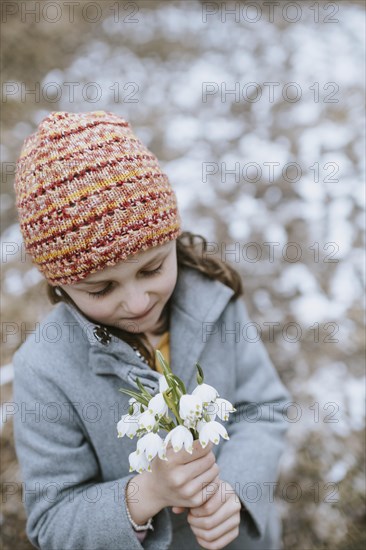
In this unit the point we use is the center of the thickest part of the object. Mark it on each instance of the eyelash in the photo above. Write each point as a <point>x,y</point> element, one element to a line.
<point>107,289</point>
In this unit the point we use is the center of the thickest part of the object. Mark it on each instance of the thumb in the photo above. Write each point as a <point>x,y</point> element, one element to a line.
<point>177,509</point>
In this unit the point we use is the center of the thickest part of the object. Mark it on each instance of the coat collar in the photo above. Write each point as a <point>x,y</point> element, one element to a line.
<point>195,300</point>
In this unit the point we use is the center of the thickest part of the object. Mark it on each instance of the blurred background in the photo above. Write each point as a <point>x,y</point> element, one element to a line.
<point>255,111</point>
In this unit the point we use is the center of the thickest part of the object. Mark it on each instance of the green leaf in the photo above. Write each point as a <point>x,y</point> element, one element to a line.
<point>167,394</point>
<point>174,385</point>
<point>142,389</point>
<point>132,393</point>
<point>200,376</point>
<point>171,402</point>
<point>160,357</point>
<point>181,385</point>
<point>137,396</point>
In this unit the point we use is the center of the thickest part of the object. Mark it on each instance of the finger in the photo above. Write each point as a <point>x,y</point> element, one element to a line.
<point>197,452</point>
<point>199,466</point>
<point>183,456</point>
<point>194,469</point>
<point>219,513</point>
<point>204,485</point>
<point>231,525</point>
<point>178,509</point>
<point>211,501</point>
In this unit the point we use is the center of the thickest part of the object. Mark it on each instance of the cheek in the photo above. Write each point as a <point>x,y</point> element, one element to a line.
<point>170,281</point>
<point>104,308</point>
<point>95,307</point>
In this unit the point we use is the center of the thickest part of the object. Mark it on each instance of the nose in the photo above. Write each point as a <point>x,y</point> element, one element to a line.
<point>135,303</point>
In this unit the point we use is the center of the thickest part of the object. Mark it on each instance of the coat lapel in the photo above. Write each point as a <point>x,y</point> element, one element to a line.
<point>196,300</point>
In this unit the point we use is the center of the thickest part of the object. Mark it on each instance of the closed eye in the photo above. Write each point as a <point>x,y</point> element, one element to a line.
<point>103,292</point>
<point>108,288</point>
<point>153,272</point>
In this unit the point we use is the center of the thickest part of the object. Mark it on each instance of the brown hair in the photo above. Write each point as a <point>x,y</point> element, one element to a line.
<point>190,255</point>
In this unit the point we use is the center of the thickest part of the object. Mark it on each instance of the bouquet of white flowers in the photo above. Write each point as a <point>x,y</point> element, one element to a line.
<point>193,417</point>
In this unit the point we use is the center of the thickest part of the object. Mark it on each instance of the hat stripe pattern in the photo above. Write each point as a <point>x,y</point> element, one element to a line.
<point>64,154</point>
<point>89,194</point>
<point>89,266</point>
<point>79,192</point>
<point>103,238</point>
<point>65,211</point>
<point>73,226</point>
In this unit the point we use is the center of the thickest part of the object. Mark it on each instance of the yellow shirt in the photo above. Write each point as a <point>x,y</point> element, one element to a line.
<point>163,346</point>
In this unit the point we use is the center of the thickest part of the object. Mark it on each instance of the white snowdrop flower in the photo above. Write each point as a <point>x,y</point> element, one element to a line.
<point>190,422</point>
<point>158,406</point>
<point>163,384</point>
<point>161,453</point>
<point>138,462</point>
<point>224,407</point>
<point>211,409</point>
<point>150,445</point>
<point>205,392</point>
<point>190,406</point>
<point>180,436</point>
<point>210,431</point>
<point>128,425</point>
<point>147,421</point>
<point>136,405</point>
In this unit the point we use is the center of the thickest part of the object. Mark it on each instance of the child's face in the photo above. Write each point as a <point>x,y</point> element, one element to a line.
<point>129,289</point>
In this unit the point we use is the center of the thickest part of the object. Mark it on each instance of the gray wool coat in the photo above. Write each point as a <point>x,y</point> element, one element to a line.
<point>75,468</point>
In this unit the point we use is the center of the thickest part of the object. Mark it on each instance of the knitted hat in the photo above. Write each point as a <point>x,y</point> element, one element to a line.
<point>89,194</point>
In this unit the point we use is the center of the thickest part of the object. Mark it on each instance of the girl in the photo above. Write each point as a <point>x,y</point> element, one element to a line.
<point>100,221</point>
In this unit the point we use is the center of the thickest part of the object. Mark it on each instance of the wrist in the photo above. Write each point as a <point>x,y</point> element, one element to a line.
<point>141,499</point>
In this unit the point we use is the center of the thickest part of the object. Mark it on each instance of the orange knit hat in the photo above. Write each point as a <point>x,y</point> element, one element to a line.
<point>89,194</point>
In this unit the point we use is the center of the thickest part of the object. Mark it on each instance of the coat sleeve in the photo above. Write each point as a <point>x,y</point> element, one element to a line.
<point>249,460</point>
<point>67,504</point>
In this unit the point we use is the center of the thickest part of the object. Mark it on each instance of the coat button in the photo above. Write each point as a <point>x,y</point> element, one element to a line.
<point>102,335</point>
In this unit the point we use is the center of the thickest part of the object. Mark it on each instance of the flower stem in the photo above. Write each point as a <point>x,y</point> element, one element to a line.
<point>167,424</point>
<point>194,433</point>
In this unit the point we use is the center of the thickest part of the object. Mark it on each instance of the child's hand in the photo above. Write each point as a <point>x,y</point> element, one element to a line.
<point>216,523</point>
<point>181,480</point>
